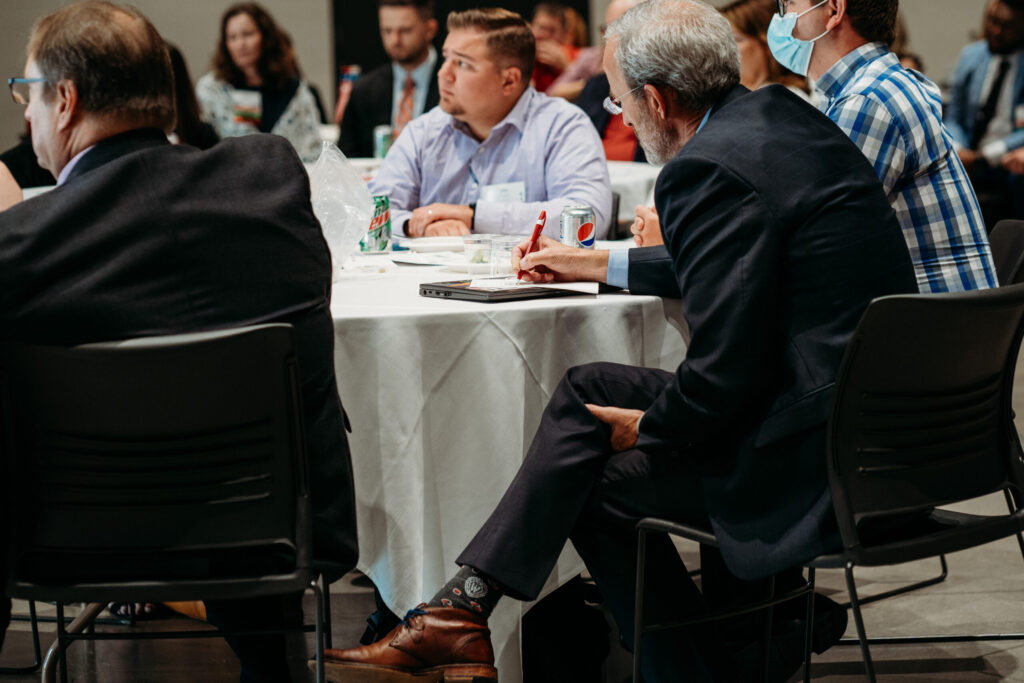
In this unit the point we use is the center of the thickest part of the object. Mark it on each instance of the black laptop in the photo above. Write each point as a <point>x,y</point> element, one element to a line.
<point>462,289</point>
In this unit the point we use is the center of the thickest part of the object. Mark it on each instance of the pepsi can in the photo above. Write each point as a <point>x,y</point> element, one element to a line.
<point>578,227</point>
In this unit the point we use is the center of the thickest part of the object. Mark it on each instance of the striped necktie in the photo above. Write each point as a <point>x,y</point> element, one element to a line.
<point>404,115</point>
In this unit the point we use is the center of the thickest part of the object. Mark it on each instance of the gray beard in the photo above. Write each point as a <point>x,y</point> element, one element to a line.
<point>659,144</point>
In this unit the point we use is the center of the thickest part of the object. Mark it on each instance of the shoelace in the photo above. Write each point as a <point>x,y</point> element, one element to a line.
<point>414,612</point>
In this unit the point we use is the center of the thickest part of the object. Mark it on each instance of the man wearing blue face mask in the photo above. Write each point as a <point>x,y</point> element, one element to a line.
<point>895,116</point>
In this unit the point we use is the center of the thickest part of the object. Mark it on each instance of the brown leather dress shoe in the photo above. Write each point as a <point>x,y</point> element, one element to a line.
<point>431,645</point>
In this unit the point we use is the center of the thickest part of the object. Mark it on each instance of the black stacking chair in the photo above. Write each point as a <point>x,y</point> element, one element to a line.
<point>616,230</point>
<point>1007,241</point>
<point>921,418</point>
<point>161,469</point>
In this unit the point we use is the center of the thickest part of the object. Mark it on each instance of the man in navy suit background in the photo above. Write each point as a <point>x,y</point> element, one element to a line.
<point>985,114</point>
<point>400,90</point>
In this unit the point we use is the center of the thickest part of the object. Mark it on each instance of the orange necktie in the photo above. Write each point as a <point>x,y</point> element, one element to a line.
<point>405,106</point>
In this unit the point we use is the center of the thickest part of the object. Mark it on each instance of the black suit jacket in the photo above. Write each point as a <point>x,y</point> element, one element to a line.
<point>370,105</point>
<point>777,236</point>
<point>148,238</point>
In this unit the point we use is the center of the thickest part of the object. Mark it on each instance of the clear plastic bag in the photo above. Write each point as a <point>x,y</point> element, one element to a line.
<point>341,202</point>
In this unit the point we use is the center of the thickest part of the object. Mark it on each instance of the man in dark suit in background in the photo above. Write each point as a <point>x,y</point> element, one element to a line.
<point>141,237</point>
<point>985,114</point>
<point>397,92</point>
<point>778,235</point>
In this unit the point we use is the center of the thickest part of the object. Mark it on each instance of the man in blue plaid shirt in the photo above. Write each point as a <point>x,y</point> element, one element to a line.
<point>895,116</point>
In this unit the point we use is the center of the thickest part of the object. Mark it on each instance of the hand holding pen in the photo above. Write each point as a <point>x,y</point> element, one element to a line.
<point>537,229</point>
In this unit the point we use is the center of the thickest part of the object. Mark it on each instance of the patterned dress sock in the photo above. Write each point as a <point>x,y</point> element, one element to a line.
<point>470,590</point>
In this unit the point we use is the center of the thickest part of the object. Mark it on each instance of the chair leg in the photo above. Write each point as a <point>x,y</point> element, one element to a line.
<point>859,621</point>
<point>766,643</point>
<point>52,658</point>
<point>62,645</point>
<point>37,662</point>
<point>943,573</point>
<point>809,626</point>
<point>638,609</point>
<point>326,589</point>
<point>1013,508</point>
<point>320,633</point>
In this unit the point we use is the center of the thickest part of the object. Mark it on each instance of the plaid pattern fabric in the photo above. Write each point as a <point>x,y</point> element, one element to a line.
<point>895,116</point>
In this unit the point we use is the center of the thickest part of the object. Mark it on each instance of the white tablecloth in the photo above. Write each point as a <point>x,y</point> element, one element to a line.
<point>444,397</point>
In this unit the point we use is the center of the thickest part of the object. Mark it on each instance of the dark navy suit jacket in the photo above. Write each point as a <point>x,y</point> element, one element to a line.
<point>148,238</point>
<point>777,235</point>
<point>965,96</point>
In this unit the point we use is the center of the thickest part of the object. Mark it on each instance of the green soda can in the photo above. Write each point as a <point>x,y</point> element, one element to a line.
<point>383,136</point>
<point>378,237</point>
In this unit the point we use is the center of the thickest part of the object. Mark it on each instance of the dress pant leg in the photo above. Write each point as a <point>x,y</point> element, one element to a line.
<point>635,485</point>
<point>263,659</point>
<point>520,542</point>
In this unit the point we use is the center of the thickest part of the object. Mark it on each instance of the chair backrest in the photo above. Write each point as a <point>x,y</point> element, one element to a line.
<point>161,459</point>
<point>921,415</point>
<point>1007,241</point>
<point>616,231</point>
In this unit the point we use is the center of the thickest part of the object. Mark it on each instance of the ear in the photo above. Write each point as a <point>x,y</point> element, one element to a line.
<point>431,29</point>
<point>837,12</point>
<point>656,102</point>
<point>67,103</point>
<point>511,80</point>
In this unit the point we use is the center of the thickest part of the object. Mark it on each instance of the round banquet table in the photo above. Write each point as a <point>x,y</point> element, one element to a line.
<point>444,397</point>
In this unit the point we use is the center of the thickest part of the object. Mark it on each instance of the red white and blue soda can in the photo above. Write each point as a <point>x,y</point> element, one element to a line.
<point>577,227</point>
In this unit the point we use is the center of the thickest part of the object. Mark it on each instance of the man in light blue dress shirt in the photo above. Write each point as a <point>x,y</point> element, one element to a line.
<point>495,152</point>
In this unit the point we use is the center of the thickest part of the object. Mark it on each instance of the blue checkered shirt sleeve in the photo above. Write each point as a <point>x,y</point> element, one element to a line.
<point>879,137</point>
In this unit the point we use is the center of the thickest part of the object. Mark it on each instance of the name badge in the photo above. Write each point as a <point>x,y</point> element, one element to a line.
<point>504,192</point>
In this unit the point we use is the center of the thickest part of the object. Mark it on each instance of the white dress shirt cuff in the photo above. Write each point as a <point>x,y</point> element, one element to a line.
<point>993,152</point>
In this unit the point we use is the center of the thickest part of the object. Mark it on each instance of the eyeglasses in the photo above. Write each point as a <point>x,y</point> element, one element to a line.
<point>782,7</point>
<point>19,88</point>
<point>614,106</point>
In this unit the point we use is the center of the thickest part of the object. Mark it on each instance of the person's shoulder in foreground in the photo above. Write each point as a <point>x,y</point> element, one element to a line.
<point>142,237</point>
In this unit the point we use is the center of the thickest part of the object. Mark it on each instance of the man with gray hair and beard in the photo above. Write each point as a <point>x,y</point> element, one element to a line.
<point>770,215</point>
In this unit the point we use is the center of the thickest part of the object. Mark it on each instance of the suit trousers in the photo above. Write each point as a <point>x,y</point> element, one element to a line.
<point>572,486</point>
<point>262,659</point>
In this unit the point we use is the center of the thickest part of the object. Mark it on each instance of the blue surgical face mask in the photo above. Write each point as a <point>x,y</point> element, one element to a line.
<point>790,52</point>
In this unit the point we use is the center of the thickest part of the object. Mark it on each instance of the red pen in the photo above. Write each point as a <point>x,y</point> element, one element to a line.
<point>541,219</point>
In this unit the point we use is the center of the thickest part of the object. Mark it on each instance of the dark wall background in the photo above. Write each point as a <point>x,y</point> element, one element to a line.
<point>357,37</point>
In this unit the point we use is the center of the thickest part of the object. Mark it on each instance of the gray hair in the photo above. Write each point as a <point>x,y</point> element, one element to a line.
<point>683,45</point>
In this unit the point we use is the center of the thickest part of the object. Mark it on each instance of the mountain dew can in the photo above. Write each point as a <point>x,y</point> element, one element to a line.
<point>577,227</point>
<point>378,237</point>
<point>383,136</point>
